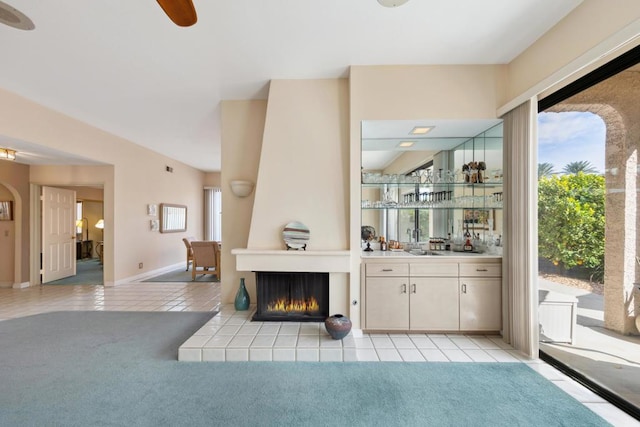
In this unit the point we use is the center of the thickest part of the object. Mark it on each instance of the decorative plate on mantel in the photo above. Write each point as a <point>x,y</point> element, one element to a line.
<point>296,235</point>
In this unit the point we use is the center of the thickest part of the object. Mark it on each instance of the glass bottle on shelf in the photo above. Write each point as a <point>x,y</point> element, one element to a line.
<point>383,244</point>
<point>468,245</point>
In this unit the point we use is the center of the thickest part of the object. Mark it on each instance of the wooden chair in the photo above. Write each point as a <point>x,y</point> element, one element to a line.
<point>187,242</point>
<point>206,258</point>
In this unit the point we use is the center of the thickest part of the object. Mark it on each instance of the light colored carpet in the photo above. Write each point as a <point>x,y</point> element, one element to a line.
<point>120,369</point>
<point>88,272</point>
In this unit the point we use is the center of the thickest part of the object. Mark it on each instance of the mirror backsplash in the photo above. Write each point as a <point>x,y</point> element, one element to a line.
<point>434,191</point>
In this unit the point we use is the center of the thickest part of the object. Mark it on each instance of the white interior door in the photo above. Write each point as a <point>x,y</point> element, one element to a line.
<point>58,233</point>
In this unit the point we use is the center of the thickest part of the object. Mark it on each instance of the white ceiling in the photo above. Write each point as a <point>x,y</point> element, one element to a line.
<point>124,67</point>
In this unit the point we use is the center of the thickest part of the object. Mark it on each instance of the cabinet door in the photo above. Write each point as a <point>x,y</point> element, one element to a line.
<point>433,304</point>
<point>480,304</point>
<point>387,303</point>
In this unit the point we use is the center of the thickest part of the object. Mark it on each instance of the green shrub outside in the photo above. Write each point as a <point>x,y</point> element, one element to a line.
<point>571,220</point>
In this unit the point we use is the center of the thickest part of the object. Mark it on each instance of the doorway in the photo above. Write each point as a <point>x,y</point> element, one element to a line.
<point>7,239</point>
<point>87,217</point>
<point>589,267</point>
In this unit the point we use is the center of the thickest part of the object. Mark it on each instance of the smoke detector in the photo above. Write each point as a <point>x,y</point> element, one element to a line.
<point>12,17</point>
<point>392,3</point>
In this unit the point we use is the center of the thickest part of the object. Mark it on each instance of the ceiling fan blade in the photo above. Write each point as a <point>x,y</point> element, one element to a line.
<point>181,12</point>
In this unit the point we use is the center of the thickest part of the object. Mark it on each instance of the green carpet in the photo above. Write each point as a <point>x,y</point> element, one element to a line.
<point>181,275</point>
<point>88,272</point>
<point>119,369</point>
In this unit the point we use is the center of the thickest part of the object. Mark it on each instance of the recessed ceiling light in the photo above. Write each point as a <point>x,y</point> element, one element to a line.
<point>392,3</point>
<point>405,144</point>
<point>421,130</point>
<point>12,17</point>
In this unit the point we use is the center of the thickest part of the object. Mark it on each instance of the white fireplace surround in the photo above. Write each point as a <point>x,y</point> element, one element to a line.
<point>292,261</point>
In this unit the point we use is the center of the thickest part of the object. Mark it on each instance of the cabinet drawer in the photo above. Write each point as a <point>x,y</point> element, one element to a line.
<point>434,270</point>
<point>378,270</point>
<point>480,270</point>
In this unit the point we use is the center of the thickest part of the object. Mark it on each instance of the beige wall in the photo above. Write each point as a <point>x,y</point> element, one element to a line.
<point>136,178</point>
<point>212,179</point>
<point>88,193</point>
<point>15,178</point>
<point>242,129</point>
<point>594,29</point>
<point>425,92</point>
<point>303,172</point>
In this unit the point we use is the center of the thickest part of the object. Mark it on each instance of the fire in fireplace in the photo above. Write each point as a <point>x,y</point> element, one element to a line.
<point>295,297</point>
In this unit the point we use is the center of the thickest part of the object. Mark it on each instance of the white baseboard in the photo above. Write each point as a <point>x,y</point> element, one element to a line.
<point>146,275</point>
<point>21,285</point>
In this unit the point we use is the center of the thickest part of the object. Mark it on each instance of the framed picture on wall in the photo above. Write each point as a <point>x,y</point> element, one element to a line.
<point>477,219</point>
<point>173,218</point>
<point>6,211</point>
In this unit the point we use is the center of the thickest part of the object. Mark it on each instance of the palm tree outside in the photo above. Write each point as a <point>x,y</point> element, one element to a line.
<point>545,170</point>
<point>580,166</point>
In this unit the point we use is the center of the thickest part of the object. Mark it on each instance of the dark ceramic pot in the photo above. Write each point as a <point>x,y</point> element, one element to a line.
<point>338,326</point>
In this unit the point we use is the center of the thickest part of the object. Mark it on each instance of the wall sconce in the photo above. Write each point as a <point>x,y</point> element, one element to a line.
<point>241,188</point>
<point>7,154</point>
<point>100,224</point>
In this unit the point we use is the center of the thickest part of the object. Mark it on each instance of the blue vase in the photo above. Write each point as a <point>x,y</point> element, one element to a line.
<point>242,297</point>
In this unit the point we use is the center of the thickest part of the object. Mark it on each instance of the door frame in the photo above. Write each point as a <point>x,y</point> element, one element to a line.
<point>35,230</point>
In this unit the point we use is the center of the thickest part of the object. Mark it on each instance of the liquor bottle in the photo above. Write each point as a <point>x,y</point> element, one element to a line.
<point>383,244</point>
<point>468,246</point>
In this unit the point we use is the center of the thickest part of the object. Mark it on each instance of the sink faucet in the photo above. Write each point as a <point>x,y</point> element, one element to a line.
<point>415,234</point>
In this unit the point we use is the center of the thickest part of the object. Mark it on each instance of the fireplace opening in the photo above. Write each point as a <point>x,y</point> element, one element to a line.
<point>294,297</point>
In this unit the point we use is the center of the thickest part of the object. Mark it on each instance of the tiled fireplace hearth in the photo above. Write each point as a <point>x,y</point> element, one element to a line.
<point>231,336</point>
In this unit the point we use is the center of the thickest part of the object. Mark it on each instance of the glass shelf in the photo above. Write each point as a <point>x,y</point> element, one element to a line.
<point>379,208</point>
<point>492,184</point>
<point>405,203</point>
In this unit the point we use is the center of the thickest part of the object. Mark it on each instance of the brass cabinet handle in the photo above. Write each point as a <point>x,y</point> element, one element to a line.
<point>464,288</point>
<point>413,291</point>
<point>404,288</point>
<point>481,269</point>
<point>387,269</point>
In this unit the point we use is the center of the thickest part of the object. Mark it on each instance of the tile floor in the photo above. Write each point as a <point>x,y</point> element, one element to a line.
<point>232,336</point>
<point>262,341</point>
<point>127,297</point>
